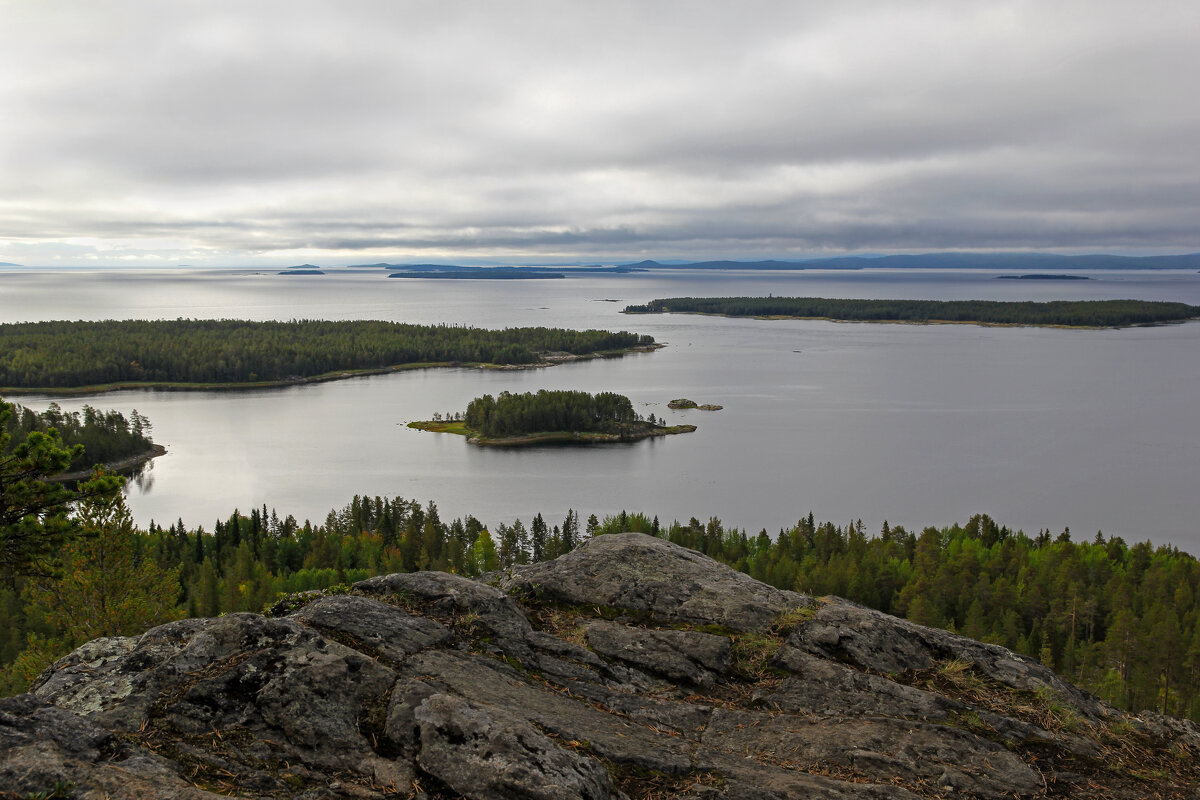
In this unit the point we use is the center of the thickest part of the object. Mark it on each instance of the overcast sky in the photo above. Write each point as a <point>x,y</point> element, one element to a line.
<point>350,132</point>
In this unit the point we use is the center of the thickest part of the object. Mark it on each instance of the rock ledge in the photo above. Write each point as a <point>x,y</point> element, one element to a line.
<point>630,668</point>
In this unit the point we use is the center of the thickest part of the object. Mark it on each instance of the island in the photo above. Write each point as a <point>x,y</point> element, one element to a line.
<point>550,417</point>
<point>683,402</point>
<point>86,357</point>
<point>1055,313</point>
<point>482,274</point>
<point>1037,276</point>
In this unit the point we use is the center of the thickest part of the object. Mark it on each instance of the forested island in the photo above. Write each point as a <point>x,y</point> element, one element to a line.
<point>1038,276</point>
<point>1058,313</point>
<point>191,353</point>
<point>550,417</point>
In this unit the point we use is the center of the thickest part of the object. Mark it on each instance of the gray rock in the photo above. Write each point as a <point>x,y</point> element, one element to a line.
<point>913,751</point>
<point>372,627</point>
<point>43,747</point>
<point>491,612</point>
<point>823,687</point>
<point>871,640</point>
<point>487,754</point>
<point>654,576</point>
<point>568,717</point>
<point>679,655</point>
<point>432,680</point>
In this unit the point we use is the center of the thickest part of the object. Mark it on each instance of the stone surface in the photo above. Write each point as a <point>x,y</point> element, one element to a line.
<point>630,668</point>
<point>666,581</point>
<point>487,753</point>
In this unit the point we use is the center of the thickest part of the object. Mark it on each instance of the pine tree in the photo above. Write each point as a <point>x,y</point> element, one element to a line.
<point>538,539</point>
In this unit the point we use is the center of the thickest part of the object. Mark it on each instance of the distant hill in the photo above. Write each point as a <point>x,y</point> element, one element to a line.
<point>7,264</point>
<point>412,267</point>
<point>481,274</point>
<point>1014,261</point>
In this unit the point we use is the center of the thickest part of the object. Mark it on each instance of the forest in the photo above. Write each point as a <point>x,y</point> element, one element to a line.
<point>67,355</point>
<point>1121,620</point>
<point>517,414</point>
<point>105,436</point>
<point>1072,313</point>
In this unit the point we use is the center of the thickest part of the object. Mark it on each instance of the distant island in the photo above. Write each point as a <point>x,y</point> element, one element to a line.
<point>1057,313</point>
<point>1043,277</point>
<point>483,274</point>
<point>78,357</point>
<point>8,264</point>
<point>684,403</point>
<point>303,271</point>
<point>550,417</point>
<point>1007,261</point>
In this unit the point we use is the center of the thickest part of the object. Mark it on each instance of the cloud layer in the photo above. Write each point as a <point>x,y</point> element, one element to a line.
<point>223,132</point>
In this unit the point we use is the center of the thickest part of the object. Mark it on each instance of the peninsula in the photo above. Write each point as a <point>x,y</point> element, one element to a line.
<point>550,417</point>
<point>1057,313</point>
<point>78,357</point>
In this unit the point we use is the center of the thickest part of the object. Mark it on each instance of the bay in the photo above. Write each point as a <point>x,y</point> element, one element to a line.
<point>920,425</point>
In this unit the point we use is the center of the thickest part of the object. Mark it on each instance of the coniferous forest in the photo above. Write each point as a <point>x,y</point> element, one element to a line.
<point>1075,313</point>
<point>105,436</point>
<point>1120,619</point>
<point>66,355</point>
<point>515,414</point>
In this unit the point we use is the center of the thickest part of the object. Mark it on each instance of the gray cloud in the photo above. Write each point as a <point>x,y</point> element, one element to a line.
<point>225,132</point>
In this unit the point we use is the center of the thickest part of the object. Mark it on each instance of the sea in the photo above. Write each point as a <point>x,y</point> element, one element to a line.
<point>919,425</point>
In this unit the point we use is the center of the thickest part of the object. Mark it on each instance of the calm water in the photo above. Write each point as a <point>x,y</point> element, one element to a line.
<point>919,425</point>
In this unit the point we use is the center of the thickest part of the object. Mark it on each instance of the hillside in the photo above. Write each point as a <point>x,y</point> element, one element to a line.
<point>628,668</point>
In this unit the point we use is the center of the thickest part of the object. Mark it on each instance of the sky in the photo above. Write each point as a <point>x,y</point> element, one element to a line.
<point>351,131</point>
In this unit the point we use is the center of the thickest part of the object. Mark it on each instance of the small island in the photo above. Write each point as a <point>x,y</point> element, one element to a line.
<point>683,402</point>
<point>550,417</point>
<point>1055,313</point>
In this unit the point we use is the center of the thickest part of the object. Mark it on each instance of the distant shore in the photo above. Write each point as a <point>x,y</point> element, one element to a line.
<point>1085,314</point>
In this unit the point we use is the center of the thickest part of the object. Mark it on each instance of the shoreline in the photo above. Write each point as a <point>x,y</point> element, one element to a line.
<point>547,360</point>
<point>547,437</point>
<point>119,466</point>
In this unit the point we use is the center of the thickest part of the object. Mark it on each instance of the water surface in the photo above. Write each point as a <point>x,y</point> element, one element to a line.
<point>919,425</point>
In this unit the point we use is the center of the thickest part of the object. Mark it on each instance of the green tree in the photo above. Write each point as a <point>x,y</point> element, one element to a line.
<point>483,554</point>
<point>109,587</point>
<point>34,519</point>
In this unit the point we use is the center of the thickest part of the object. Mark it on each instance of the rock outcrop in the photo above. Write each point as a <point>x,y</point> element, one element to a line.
<point>630,668</point>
